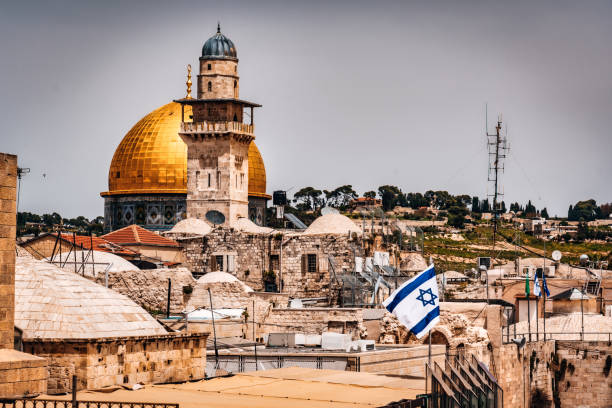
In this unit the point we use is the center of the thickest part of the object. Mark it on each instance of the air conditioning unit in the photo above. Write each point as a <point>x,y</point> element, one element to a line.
<point>484,261</point>
<point>281,340</point>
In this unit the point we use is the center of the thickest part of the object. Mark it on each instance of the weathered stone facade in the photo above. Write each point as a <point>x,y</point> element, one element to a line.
<point>521,371</point>
<point>20,374</point>
<point>8,197</point>
<point>149,287</point>
<point>105,362</point>
<point>315,321</point>
<point>584,380</point>
<point>286,255</point>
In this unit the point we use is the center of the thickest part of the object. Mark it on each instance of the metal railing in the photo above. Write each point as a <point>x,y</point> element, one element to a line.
<point>419,402</point>
<point>50,403</point>
<point>562,336</point>
<point>216,127</point>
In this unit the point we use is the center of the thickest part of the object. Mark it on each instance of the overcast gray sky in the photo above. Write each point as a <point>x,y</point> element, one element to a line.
<point>362,93</point>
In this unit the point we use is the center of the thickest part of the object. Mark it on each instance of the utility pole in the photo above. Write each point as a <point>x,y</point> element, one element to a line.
<point>497,153</point>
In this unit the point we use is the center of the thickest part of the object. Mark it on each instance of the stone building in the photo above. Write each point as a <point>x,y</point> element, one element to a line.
<point>217,138</point>
<point>148,181</point>
<point>298,264</point>
<point>21,374</point>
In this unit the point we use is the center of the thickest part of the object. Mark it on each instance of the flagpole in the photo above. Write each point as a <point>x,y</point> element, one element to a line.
<point>527,293</point>
<point>537,317</point>
<point>544,286</point>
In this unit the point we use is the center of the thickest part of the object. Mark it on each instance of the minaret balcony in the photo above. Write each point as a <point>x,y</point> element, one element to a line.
<point>196,128</point>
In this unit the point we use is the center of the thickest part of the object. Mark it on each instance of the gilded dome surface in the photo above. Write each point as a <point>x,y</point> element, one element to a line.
<point>152,158</point>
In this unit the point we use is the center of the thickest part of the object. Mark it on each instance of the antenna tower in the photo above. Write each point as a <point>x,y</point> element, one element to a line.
<point>498,150</point>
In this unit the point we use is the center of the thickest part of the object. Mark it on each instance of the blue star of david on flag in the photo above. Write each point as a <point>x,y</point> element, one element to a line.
<point>416,303</point>
<point>431,300</point>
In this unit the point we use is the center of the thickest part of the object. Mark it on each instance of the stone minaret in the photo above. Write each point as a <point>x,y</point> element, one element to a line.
<point>217,139</point>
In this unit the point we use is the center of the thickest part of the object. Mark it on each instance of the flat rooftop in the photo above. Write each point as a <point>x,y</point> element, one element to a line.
<point>285,387</point>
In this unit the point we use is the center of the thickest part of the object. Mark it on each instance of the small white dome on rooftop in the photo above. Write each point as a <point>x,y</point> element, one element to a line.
<point>332,224</point>
<point>191,226</point>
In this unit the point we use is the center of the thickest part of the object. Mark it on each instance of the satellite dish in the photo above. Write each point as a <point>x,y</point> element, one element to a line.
<point>556,255</point>
<point>584,259</point>
<point>329,210</point>
<point>215,217</point>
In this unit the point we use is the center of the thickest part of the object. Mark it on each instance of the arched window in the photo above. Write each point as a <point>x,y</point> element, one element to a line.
<point>209,86</point>
<point>208,180</point>
<point>197,179</point>
<point>235,89</point>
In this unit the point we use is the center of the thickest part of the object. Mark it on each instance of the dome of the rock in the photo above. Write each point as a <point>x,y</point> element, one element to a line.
<point>147,179</point>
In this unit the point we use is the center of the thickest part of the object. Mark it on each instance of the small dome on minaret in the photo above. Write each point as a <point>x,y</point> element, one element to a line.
<point>219,47</point>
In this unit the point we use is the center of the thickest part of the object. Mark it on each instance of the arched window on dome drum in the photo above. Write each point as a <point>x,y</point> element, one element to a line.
<point>209,86</point>
<point>235,89</point>
<point>209,67</point>
<point>208,180</point>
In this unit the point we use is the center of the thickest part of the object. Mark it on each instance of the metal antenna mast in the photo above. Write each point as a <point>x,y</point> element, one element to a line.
<point>498,150</point>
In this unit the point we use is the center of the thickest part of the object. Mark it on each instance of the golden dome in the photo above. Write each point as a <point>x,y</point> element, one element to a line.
<point>152,158</point>
<point>257,173</point>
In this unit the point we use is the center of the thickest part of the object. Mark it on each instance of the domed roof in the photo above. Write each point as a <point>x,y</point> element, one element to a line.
<point>219,47</point>
<point>332,224</point>
<point>257,173</point>
<point>152,158</point>
<point>53,303</point>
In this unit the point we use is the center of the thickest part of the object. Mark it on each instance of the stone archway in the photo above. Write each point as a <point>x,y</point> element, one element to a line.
<point>438,336</point>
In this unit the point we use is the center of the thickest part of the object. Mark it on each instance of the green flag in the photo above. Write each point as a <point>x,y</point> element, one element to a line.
<point>527,285</point>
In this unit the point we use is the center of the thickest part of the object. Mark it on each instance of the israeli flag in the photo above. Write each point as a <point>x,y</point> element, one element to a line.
<point>536,286</point>
<point>416,303</point>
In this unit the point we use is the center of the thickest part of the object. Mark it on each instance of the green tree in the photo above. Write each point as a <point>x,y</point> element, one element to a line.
<point>475,205</point>
<point>308,198</point>
<point>389,195</point>
<point>456,216</point>
<point>51,219</point>
<point>544,213</point>
<point>530,210</point>
<point>370,194</point>
<point>341,196</point>
<point>585,211</point>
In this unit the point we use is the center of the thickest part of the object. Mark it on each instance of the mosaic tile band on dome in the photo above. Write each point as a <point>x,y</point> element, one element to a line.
<point>147,177</point>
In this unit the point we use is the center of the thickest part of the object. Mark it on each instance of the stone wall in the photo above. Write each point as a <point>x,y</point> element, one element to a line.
<point>582,379</point>
<point>520,372</point>
<point>21,374</point>
<point>407,360</point>
<point>253,252</point>
<point>8,197</point>
<point>105,362</point>
<point>149,287</point>
<point>315,321</point>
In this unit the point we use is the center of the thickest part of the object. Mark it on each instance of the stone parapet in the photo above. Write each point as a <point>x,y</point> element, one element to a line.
<point>111,361</point>
<point>21,374</point>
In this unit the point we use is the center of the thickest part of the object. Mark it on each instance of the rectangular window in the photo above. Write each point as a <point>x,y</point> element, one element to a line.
<point>209,67</point>
<point>208,180</point>
<point>274,263</point>
<point>312,262</point>
<point>219,260</point>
